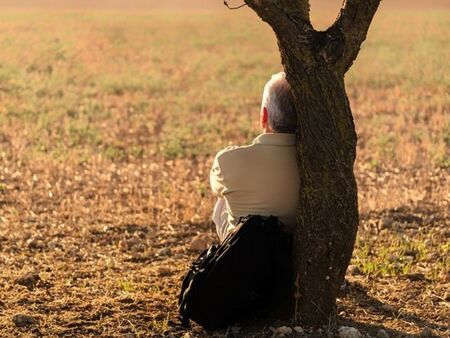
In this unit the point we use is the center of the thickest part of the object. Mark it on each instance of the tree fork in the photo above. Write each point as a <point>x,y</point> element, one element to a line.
<point>315,64</point>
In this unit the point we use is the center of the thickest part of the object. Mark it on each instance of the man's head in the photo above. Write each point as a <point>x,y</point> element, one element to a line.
<point>278,113</point>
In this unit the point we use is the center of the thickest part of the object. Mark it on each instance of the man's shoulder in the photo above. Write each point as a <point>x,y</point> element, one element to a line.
<point>232,153</point>
<point>230,162</point>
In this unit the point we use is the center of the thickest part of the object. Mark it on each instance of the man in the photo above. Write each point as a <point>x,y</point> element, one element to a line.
<point>261,178</point>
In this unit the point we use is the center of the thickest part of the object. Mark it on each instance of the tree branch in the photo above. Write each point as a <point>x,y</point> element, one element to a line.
<point>289,19</point>
<point>233,7</point>
<point>294,11</point>
<point>353,24</point>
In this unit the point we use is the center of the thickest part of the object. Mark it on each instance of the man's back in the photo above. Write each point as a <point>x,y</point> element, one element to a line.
<point>259,179</point>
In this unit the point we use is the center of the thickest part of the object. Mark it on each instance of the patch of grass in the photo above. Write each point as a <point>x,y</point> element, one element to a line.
<point>137,151</point>
<point>79,136</point>
<point>401,256</point>
<point>126,286</point>
<point>442,161</point>
<point>115,153</point>
<point>386,143</point>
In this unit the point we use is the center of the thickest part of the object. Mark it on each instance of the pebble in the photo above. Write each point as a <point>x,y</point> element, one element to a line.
<point>414,277</point>
<point>21,320</point>
<point>387,223</point>
<point>299,329</point>
<point>388,308</point>
<point>164,271</point>
<point>382,334</point>
<point>427,333</point>
<point>348,332</point>
<point>35,244</point>
<point>392,258</point>
<point>135,244</point>
<point>164,252</point>
<point>284,330</point>
<point>198,243</point>
<point>29,280</point>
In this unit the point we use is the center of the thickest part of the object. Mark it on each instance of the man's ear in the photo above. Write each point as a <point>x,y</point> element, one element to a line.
<point>264,117</point>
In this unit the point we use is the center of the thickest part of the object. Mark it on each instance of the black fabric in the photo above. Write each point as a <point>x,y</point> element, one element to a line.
<point>242,278</point>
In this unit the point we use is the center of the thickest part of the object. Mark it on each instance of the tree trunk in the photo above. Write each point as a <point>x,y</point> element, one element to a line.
<point>315,64</point>
<point>328,209</point>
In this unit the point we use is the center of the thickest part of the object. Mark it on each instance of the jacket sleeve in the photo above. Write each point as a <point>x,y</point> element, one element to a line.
<point>216,178</point>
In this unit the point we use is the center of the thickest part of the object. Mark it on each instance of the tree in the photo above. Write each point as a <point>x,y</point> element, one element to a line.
<point>315,63</point>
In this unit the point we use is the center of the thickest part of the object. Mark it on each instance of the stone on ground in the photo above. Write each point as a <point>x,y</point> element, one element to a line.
<point>29,280</point>
<point>198,243</point>
<point>284,330</point>
<point>164,271</point>
<point>348,332</point>
<point>299,329</point>
<point>427,333</point>
<point>382,334</point>
<point>22,320</point>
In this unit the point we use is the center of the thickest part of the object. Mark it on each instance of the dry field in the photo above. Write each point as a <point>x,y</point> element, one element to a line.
<point>108,126</point>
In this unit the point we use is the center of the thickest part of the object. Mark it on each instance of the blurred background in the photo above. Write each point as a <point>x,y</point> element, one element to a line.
<point>111,113</point>
<point>193,4</point>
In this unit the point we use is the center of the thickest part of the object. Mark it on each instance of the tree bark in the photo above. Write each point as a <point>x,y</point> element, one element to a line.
<point>315,64</point>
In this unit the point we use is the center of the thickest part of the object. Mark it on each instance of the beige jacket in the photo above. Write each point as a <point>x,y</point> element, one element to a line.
<point>259,179</point>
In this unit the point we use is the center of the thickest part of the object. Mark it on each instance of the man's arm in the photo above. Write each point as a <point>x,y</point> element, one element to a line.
<point>216,178</point>
<point>218,187</point>
<point>220,218</point>
<point>220,182</point>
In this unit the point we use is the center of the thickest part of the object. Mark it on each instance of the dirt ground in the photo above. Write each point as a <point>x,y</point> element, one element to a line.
<point>105,270</point>
<point>108,127</point>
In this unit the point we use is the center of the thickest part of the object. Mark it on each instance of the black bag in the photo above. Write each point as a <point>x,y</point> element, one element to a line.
<point>242,278</point>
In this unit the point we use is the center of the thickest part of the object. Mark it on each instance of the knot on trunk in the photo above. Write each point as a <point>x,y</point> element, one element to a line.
<point>328,45</point>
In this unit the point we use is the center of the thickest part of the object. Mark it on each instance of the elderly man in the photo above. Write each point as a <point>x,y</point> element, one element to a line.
<point>261,178</point>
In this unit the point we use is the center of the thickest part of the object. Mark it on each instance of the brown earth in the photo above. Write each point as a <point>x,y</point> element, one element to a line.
<point>108,127</point>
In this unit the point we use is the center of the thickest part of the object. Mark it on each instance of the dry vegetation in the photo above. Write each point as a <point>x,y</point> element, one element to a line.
<point>108,125</point>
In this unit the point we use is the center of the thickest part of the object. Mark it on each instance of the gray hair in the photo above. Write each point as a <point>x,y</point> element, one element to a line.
<point>279,102</point>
